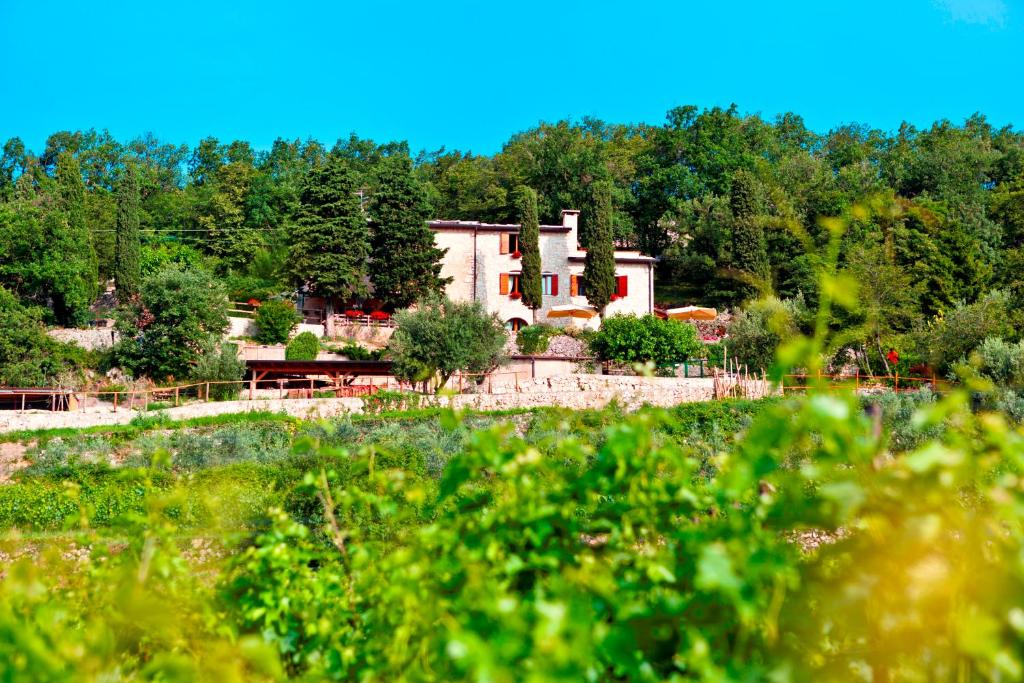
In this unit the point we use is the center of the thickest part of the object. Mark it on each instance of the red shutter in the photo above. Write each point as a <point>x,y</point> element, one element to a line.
<point>621,285</point>
<point>503,283</point>
<point>574,285</point>
<point>554,285</point>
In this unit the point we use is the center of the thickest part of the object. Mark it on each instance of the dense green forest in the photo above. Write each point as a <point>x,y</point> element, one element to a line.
<point>731,203</point>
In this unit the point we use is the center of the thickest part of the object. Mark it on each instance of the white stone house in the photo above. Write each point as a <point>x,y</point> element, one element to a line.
<point>483,262</point>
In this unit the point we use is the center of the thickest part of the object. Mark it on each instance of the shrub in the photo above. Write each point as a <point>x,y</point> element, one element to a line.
<point>953,336</point>
<point>28,356</point>
<point>388,401</point>
<point>166,331</point>
<point>1000,361</point>
<point>220,365</point>
<point>756,332</point>
<point>305,346</point>
<point>632,339</point>
<point>354,351</point>
<point>275,320</point>
<point>534,339</point>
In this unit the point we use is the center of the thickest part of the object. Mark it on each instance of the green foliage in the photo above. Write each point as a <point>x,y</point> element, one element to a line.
<point>390,401</point>
<point>73,270</point>
<point>354,351</point>
<point>599,267</point>
<point>534,339</point>
<point>749,246</point>
<point>28,356</point>
<point>757,331</point>
<point>329,242</point>
<point>1000,361</point>
<point>404,263</point>
<point>442,337</point>
<point>304,346</point>
<point>166,330</point>
<point>275,320</point>
<point>220,364</point>
<point>127,266</point>
<point>953,336</point>
<point>156,257</point>
<point>529,245</point>
<point>633,339</point>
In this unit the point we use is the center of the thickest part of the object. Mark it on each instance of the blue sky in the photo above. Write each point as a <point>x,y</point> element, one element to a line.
<point>469,74</point>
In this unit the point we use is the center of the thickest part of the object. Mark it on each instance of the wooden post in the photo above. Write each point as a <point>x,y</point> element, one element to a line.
<point>207,391</point>
<point>856,385</point>
<point>252,388</point>
<point>176,396</point>
<point>115,401</point>
<point>896,387</point>
<point>23,403</point>
<point>280,387</point>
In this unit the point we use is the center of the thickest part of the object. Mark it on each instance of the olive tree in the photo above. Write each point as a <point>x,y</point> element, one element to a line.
<point>441,337</point>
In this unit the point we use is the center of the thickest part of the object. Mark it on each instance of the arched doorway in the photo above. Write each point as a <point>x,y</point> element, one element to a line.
<point>515,324</point>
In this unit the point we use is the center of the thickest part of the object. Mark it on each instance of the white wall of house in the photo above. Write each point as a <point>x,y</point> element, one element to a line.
<point>481,264</point>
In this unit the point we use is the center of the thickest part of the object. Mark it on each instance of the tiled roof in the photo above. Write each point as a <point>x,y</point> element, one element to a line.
<point>490,227</point>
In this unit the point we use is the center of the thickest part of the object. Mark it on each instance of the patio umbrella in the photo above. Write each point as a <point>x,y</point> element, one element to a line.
<point>691,313</point>
<point>571,311</point>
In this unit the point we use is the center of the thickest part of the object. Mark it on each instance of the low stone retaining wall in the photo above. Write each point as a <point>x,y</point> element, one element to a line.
<point>91,339</point>
<point>578,392</point>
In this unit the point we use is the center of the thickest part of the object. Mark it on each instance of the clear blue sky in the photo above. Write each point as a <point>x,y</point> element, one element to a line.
<point>469,74</point>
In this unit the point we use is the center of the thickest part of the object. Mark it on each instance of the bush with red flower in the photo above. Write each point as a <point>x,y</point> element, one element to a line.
<point>353,313</point>
<point>516,295</point>
<point>379,315</point>
<point>517,254</point>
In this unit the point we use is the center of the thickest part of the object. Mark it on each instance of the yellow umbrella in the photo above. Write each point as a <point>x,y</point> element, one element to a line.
<point>691,313</point>
<point>571,311</point>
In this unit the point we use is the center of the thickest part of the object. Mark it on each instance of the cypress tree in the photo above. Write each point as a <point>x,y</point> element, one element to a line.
<point>529,245</point>
<point>749,246</point>
<point>405,265</point>
<point>599,267</point>
<point>72,256</point>
<point>330,241</point>
<point>127,274</point>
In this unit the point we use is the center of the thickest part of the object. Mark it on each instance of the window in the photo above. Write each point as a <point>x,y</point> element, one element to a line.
<point>621,286</point>
<point>549,284</point>
<point>576,286</point>
<point>515,324</point>
<point>508,283</point>
<point>509,242</point>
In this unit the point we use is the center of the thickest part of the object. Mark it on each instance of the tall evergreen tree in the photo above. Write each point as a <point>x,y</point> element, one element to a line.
<point>329,241</point>
<point>127,274</point>
<point>599,266</point>
<point>749,246</point>
<point>72,257</point>
<point>529,245</point>
<point>405,265</point>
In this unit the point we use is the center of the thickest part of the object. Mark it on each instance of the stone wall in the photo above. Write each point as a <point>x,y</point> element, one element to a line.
<point>91,339</point>
<point>577,392</point>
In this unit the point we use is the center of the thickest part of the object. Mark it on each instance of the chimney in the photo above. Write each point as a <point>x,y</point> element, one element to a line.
<point>571,220</point>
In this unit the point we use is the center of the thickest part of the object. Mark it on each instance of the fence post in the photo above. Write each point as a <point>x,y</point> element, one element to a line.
<point>856,385</point>
<point>23,403</point>
<point>252,387</point>
<point>207,392</point>
<point>176,396</point>
<point>896,387</point>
